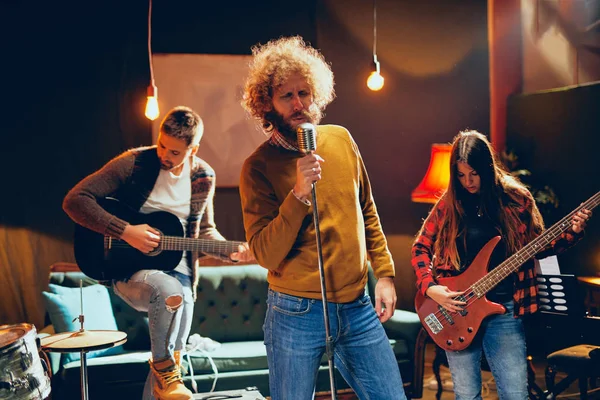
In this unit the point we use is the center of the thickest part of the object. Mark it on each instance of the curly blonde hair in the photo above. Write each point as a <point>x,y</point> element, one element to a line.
<point>273,63</point>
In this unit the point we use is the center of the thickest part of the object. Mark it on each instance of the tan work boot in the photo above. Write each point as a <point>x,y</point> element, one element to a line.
<point>179,361</point>
<point>168,383</point>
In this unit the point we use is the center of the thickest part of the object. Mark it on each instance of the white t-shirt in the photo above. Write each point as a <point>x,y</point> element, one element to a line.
<point>172,193</point>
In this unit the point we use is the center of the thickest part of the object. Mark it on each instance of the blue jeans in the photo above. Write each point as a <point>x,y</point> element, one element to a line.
<point>147,291</point>
<point>502,338</point>
<point>295,341</point>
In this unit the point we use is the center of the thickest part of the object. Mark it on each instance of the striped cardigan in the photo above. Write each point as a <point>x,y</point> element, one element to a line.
<point>130,178</point>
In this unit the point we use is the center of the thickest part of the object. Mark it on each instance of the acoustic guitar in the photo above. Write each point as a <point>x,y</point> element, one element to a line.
<point>103,257</point>
<point>456,330</point>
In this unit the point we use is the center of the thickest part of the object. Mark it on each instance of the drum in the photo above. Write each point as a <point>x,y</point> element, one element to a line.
<point>22,375</point>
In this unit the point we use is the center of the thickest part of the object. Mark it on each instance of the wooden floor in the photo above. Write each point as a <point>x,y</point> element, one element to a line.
<point>488,385</point>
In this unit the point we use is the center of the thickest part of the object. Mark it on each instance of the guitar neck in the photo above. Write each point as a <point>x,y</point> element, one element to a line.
<point>199,245</point>
<point>513,263</point>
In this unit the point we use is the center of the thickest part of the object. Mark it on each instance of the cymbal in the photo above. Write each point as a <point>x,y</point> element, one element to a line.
<point>69,342</point>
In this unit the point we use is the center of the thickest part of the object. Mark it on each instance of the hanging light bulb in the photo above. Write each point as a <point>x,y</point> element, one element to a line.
<point>375,80</point>
<point>152,111</point>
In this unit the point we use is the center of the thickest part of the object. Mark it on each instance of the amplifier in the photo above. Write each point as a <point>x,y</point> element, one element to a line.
<point>249,393</point>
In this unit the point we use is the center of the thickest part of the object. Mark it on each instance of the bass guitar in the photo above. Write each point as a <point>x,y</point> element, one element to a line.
<point>455,330</point>
<point>103,257</point>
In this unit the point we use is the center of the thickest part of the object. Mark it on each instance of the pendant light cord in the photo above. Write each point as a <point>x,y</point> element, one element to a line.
<point>150,41</point>
<point>375,29</point>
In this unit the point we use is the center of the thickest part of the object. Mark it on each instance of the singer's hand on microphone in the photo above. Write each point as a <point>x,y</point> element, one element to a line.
<point>308,171</point>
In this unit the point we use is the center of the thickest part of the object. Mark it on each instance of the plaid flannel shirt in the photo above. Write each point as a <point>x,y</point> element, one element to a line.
<point>525,290</point>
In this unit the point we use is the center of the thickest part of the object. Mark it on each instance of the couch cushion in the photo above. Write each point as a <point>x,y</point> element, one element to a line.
<point>71,279</point>
<point>134,323</point>
<point>231,357</point>
<point>231,303</point>
<point>64,306</point>
<point>108,370</point>
<point>251,355</point>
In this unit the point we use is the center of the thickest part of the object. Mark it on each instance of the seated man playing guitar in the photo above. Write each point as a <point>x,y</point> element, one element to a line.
<point>452,252</point>
<point>157,180</point>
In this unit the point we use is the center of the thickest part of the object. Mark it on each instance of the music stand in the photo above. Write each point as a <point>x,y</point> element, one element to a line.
<point>561,310</point>
<point>556,294</point>
<point>562,316</point>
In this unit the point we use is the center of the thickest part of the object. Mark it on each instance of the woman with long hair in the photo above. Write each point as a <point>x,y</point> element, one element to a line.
<point>483,201</point>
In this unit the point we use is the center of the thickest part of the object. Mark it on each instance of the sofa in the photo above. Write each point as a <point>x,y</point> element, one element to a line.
<point>230,310</point>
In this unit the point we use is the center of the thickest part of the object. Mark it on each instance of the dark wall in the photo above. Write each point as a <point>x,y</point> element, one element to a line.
<point>76,78</point>
<point>77,74</point>
<point>555,135</point>
<point>434,58</point>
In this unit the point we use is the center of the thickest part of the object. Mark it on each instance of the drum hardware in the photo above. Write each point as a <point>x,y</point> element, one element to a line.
<point>83,341</point>
<point>26,360</point>
<point>16,384</point>
<point>22,374</point>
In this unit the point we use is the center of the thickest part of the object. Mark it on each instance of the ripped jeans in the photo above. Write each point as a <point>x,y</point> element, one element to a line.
<point>169,317</point>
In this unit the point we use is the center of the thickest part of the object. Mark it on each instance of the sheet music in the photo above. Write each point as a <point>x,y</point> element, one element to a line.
<point>547,266</point>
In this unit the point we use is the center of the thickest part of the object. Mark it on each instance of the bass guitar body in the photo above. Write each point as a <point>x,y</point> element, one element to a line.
<point>453,330</point>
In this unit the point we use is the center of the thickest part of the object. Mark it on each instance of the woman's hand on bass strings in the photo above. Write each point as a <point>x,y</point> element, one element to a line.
<point>446,297</point>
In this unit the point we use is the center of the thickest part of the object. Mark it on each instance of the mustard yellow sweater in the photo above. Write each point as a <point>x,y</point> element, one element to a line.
<point>280,229</point>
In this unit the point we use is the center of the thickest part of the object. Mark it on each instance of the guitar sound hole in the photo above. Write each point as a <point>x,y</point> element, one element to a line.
<point>158,248</point>
<point>154,252</point>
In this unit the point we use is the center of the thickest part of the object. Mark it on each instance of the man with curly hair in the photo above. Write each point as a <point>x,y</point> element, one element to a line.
<point>290,83</point>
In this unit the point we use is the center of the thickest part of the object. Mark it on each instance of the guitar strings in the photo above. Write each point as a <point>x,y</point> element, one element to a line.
<point>553,232</point>
<point>177,243</point>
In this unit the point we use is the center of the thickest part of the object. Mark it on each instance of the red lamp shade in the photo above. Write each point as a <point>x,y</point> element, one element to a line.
<point>437,177</point>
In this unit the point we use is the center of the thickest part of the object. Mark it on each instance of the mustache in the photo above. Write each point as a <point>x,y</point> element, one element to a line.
<point>277,120</point>
<point>301,113</point>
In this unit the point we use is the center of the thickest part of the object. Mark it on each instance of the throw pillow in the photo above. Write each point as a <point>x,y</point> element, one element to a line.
<point>64,306</point>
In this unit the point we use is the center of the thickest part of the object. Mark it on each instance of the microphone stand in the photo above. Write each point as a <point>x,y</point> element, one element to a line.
<point>329,339</point>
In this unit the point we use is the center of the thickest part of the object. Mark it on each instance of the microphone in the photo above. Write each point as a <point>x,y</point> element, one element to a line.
<point>307,140</point>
